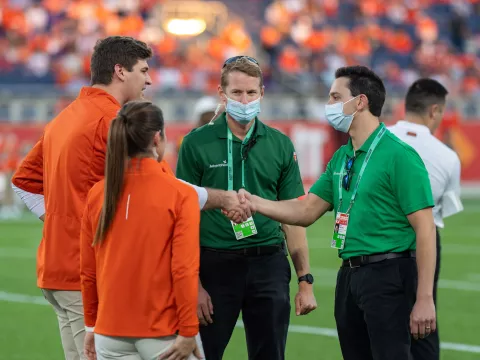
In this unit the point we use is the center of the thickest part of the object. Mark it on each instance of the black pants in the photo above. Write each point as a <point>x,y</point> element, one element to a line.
<point>429,348</point>
<point>256,285</point>
<point>372,309</point>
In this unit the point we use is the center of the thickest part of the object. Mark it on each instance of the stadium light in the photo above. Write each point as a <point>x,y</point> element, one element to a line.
<point>186,27</point>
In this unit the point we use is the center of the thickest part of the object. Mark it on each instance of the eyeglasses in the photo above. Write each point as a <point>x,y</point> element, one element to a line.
<point>347,178</point>
<point>235,58</point>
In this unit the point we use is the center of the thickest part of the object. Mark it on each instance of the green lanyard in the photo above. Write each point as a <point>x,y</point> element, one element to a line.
<point>230,155</point>
<point>360,174</point>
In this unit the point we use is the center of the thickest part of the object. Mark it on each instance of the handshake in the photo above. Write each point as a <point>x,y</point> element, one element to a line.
<point>238,207</point>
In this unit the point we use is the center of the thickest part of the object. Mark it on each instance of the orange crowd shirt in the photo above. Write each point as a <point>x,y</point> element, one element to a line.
<point>142,280</point>
<point>63,166</point>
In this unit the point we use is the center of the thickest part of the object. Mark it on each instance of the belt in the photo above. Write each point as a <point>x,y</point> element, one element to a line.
<point>250,251</point>
<point>357,261</point>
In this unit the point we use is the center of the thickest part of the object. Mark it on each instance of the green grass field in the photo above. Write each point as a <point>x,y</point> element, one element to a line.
<point>28,328</point>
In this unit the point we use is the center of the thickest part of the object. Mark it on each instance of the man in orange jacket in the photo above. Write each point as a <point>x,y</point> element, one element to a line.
<point>56,175</point>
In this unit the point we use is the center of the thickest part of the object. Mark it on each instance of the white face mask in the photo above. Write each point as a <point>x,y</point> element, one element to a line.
<point>243,113</point>
<point>336,118</point>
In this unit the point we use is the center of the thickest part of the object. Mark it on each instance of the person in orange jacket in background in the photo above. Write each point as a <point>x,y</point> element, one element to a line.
<point>138,299</point>
<point>54,178</point>
<point>63,166</point>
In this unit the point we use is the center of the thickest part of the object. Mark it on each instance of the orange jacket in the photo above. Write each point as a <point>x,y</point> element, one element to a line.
<point>63,166</point>
<point>142,281</point>
<point>166,168</point>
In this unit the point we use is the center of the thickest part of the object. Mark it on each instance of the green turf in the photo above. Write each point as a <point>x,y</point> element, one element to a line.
<point>29,331</point>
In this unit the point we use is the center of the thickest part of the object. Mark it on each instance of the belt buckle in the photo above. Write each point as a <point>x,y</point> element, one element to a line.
<point>351,266</point>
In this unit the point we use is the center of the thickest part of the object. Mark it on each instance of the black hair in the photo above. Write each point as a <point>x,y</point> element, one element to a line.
<point>424,93</point>
<point>364,81</point>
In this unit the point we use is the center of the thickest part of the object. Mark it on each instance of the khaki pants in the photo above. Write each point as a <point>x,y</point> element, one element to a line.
<point>113,348</point>
<point>69,309</point>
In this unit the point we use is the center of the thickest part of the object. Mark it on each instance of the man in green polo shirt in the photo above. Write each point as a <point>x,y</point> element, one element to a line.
<point>379,190</point>
<point>243,267</point>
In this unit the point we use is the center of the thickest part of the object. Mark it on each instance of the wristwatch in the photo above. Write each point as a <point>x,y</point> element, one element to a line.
<point>307,277</point>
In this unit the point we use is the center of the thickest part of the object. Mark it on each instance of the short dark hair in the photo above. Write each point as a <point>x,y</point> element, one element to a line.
<point>424,93</point>
<point>362,80</point>
<point>113,50</point>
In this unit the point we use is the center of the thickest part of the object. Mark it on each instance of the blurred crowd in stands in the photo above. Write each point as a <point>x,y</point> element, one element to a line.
<point>299,42</point>
<point>47,44</point>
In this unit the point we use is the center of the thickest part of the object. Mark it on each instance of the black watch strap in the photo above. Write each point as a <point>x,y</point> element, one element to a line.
<point>307,277</point>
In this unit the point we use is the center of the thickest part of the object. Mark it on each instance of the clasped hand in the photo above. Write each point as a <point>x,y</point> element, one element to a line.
<point>238,207</point>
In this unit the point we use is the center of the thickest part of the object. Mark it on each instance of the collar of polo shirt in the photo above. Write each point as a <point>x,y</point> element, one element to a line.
<point>414,126</point>
<point>368,142</point>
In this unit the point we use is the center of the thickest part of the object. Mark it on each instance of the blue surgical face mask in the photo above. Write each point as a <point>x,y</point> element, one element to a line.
<point>243,113</point>
<point>336,118</point>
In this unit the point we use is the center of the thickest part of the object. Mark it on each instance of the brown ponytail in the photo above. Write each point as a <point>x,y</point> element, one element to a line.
<point>117,153</point>
<point>130,135</point>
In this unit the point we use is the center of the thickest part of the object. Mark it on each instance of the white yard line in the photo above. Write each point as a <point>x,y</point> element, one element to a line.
<point>447,249</point>
<point>326,277</point>
<point>314,243</point>
<point>298,329</point>
<point>311,330</point>
<point>24,299</point>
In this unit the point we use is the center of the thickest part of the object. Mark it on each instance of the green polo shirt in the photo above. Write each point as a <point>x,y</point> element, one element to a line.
<point>395,184</point>
<point>271,171</point>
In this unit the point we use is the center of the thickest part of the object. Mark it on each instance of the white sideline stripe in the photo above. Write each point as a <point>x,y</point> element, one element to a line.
<point>24,299</point>
<point>314,243</point>
<point>311,330</point>
<point>299,329</point>
<point>455,249</point>
<point>458,285</point>
<point>326,277</point>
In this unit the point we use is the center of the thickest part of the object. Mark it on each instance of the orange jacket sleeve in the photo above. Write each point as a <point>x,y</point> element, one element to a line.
<point>186,262</point>
<point>97,166</point>
<point>88,276</point>
<point>29,175</point>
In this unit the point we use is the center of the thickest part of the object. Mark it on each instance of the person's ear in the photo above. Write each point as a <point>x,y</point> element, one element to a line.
<point>120,72</point>
<point>222,95</point>
<point>362,102</point>
<point>434,109</point>
<point>157,138</point>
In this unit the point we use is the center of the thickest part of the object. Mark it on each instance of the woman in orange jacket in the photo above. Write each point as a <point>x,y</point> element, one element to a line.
<point>140,248</point>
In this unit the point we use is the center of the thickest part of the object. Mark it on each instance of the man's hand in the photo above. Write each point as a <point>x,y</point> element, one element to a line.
<point>89,346</point>
<point>246,198</point>
<point>423,319</point>
<point>235,207</point>
<point>182,349</point>
<point>204,307</point>
<point>305,299</point>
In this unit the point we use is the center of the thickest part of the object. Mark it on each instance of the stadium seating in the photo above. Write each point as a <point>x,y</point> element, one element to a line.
<point>300,42</point>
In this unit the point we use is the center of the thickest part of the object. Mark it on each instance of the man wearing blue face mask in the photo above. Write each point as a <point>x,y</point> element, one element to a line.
<point>243,267</point>
<point>384,232</point>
